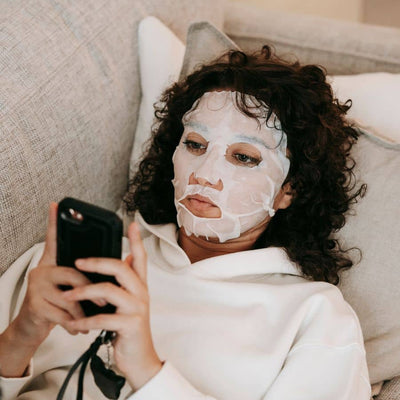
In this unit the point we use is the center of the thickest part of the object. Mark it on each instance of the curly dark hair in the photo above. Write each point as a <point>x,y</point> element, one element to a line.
<point>319,141</point>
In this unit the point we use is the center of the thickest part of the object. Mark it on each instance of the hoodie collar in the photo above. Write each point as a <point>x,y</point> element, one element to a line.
<point>164,240</point>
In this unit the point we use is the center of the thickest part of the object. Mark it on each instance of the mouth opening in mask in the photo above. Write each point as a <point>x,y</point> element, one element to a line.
<point>201,206</point>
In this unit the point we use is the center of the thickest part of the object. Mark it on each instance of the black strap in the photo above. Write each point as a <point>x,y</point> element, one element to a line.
<point>108,382</point>
<point>79,392</point>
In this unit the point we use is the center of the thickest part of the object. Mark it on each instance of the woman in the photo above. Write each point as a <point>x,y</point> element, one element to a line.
<point>231,294</point>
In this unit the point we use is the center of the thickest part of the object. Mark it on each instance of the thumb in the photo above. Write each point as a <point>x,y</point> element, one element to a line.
<point>138,252</point>
<point>50,248</point>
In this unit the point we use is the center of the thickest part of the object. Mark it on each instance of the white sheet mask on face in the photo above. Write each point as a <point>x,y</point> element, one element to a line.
<point>243,162</point>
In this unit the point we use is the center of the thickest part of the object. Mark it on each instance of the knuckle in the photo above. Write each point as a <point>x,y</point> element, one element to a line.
<point>30,307</point>
<point>80,290</point>
<point>33,305</point>
<point>70,330</point>
<point>70,274</point>
<point>136,321</point>
<point>142,307</point>
<point>34,273</point>
<point>108,286</point>
<point>99,319</point>
<point>73,308</point>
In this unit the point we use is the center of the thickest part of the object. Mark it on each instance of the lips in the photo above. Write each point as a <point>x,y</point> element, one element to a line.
<point>201,206</point>
<point>201,199</point>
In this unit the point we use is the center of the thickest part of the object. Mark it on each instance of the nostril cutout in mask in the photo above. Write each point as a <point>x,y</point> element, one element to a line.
<point>238,166</point>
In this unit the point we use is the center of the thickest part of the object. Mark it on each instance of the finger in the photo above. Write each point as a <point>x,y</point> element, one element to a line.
<point>55,298</point>
<point>110,322</point>
<point>125,302</point>
<point>50,249</point>
<point>54,314</point>
<point>138,252</point>
<point>63,276</point>
<point>129,259</point>
<point>122,271</point>
<point>67,276</point>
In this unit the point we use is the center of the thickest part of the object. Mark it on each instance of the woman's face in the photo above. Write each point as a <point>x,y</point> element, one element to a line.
<point>228,169</point>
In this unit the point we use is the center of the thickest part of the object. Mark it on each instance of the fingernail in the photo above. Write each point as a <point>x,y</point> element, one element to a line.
<point>79,262</point>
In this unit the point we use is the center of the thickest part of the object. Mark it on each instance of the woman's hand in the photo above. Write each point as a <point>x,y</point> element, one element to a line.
<point>43,307</point>
<point>134,351</point>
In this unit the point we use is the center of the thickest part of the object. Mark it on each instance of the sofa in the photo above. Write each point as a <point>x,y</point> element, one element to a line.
<point>70,95</point>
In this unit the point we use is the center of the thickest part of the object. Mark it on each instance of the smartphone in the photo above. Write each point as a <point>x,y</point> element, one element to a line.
<point>85,230</point>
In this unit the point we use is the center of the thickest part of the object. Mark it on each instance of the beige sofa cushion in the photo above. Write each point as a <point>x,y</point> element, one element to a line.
<point>69,97</point>
<point>343,47</point>
<point>371,287</point>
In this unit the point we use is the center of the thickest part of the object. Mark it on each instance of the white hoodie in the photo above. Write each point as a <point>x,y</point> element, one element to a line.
<point>239,326</point>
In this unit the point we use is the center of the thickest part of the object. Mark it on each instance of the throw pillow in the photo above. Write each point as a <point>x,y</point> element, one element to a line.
<point>375,106</point>
<point>160,61</point>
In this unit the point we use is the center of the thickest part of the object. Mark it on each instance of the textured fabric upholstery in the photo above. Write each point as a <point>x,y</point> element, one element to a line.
<point>341,46</point>
<point>69,97</point>
<point>390,390</point>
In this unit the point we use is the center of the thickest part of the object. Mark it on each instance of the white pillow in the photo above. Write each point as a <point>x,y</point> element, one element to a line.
<point>376,105</point>
<point>160,62</point>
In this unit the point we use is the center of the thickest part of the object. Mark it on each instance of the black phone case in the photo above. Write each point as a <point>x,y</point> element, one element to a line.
<point>97,234</point>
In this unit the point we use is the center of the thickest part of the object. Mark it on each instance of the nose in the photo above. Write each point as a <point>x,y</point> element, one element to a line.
<point>194,180</point>
<point>207,173</point>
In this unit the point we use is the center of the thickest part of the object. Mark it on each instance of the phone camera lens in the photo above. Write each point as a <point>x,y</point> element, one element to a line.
<point>75,214</point>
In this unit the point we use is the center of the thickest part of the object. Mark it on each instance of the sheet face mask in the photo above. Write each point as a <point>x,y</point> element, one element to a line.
<point>230,160</point>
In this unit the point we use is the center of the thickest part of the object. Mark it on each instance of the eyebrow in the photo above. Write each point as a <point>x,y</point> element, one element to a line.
<point>252,139</point>
<point>198,126</point>
<point>244,138</point>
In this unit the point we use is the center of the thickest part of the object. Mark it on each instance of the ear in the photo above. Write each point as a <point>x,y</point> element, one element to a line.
<point>284,197</point>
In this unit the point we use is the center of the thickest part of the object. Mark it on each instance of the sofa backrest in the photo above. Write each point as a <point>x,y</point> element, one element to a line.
<point>69,96</point>
<point>343,47</point>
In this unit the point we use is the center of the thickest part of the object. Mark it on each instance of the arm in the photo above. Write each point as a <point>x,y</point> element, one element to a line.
<point>327,359</point>
<point>322,372</point>
<point>42,308</point>
<point>169,384</point>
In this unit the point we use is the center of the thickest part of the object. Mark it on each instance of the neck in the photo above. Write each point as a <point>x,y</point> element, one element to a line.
<point>199,248</point>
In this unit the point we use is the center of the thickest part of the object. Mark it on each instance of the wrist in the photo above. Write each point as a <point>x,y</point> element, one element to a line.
<point>139,378</point>
<point>15,354</point>
<point>26,333</point>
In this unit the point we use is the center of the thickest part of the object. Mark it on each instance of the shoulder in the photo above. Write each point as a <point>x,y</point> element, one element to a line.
<point>326,314</point>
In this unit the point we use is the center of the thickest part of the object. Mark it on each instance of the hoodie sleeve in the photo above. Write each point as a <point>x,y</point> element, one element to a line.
<point>326,361</point>
<point>311,371</point>
<point>12,289</point>
<point>10,387</point>
<point>320,372</point>
<point>168,384</point>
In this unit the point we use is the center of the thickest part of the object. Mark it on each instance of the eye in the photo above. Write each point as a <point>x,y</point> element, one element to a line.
<point>195,147</point>
<point>246,160</point>
<point>243,154</point>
